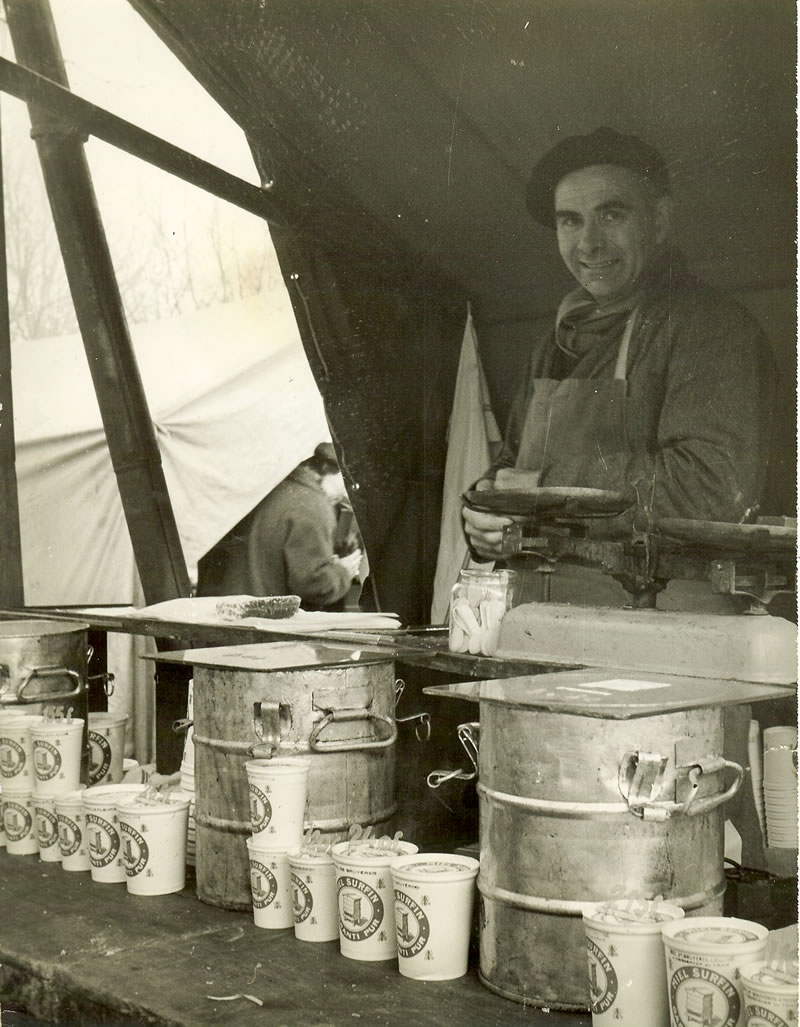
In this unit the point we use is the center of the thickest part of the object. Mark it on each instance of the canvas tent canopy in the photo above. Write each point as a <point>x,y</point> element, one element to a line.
<point>235,408</point>
<point>397,137</point>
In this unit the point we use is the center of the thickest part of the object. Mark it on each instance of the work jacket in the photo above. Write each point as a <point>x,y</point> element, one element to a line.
<point>283,547</point>
<point>700,382</point>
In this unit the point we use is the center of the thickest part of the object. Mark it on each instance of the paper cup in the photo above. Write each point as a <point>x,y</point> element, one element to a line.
<point>16,752</point>
<point>703,956</point>
<point>770,993</point>
<point>153,844</point>
<point>72,839</point>
<point>106,748</point>
<point>625,950</point>
<point>433,898</point>
<point>19,822</point>
<point>57,755</point>
<point>366,899</point>
<point>47,828</point>
<point>270,887</point>
<point>313,888</point>
<point>102,830</point>
<point>278,789</point>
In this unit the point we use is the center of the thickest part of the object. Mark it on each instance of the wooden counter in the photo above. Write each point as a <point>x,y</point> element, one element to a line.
<point>76,952</point>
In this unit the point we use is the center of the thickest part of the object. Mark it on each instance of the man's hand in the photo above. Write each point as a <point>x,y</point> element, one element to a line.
<point>351,562</point>
<point>485,530</point>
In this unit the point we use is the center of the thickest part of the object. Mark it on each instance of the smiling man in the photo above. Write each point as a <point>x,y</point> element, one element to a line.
<point>649,379</point>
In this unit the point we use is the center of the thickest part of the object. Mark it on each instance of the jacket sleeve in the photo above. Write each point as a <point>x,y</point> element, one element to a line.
<point>313,571</point>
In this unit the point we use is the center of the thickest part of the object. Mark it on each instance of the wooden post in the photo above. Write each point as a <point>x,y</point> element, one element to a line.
<point>11,584</point>
<point>98,306</point>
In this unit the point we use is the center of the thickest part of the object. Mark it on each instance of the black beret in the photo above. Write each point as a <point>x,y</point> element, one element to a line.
<point>603,146</point>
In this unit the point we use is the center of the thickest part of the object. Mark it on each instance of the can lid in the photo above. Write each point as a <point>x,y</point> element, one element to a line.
<point>433,866</point>
<point>778,976</point>
<point>720,932</point>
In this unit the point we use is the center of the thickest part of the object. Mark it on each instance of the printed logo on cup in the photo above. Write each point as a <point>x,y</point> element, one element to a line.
<point>46,759</point>
<point>46,827</point>
<point>100,755</point>
<point>302,900</point>
<point>18,820</point>
<point>413,928</point>
<point>263,884</point>
<point>135,852</point>
<point>758,1016</point>
<point>603,984</point>
<point>12,757</point>
<point>260,809</point>
<point>360,909</point>
<point>103,840</point>
<point>701,996</point>
<point>69,836</point>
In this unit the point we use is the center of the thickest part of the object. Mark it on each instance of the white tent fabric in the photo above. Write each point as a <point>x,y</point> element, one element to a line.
<point>235,408</point>
<point>473,439</point>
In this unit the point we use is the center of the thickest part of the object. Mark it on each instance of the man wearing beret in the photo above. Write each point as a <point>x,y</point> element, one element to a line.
<point>649,379</point>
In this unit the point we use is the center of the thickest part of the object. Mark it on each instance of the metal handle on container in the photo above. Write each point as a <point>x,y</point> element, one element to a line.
<point>642,779</point>
<point>267,729</point>
<point>316,744</point>
<point>50,672</point>
<point>181,725</point>
<point>422,728</point>
<point>469,736</point>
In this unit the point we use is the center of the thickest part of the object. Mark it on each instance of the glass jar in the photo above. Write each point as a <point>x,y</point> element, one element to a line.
<point>478,603</point>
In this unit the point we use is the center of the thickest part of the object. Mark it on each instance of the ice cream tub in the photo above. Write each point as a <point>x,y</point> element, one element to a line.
<point>703,960</point>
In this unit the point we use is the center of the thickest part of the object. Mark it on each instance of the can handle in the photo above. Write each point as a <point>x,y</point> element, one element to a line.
<point>50,672</point>
<point>316,744</point>
<point>634,786</point>
<point>469,736</point>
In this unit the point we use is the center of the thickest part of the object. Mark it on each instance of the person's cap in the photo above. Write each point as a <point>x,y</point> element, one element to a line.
<point>603,146</point>
<point>325,456</point>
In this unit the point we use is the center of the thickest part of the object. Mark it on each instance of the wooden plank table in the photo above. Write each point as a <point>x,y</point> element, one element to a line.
<point>76,952</point>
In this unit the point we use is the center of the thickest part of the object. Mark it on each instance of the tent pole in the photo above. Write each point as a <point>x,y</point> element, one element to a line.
<point>98,306</point>
<point>11,582</point>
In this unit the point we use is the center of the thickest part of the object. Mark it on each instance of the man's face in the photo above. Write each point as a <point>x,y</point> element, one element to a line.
<point>609,228</point>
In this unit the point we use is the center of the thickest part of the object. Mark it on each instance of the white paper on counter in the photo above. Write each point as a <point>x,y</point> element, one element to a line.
<point>203,610</point>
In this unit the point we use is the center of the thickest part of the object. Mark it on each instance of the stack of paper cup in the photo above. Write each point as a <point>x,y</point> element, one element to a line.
<point>106,748</point>
<point>57,745</point>
<point>72,838</point>
<point>102,829</point>
<point>47,828</point>
<point>625,950</point>
<point>313,890</point>
<point>366,899</point>
<point>153,843</point>
<point>433,899</point>
<point>780,786</point>
<point>270,886</point>
<point>19,823</point>
<point>754,760</point>
<point>278,790</point>
<point>770,993</point>
<point>703,957</point>
<point>16,752</point>
<point>18,778</point>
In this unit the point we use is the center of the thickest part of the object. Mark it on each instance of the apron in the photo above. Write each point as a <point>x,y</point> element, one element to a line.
<point>566,422</point>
